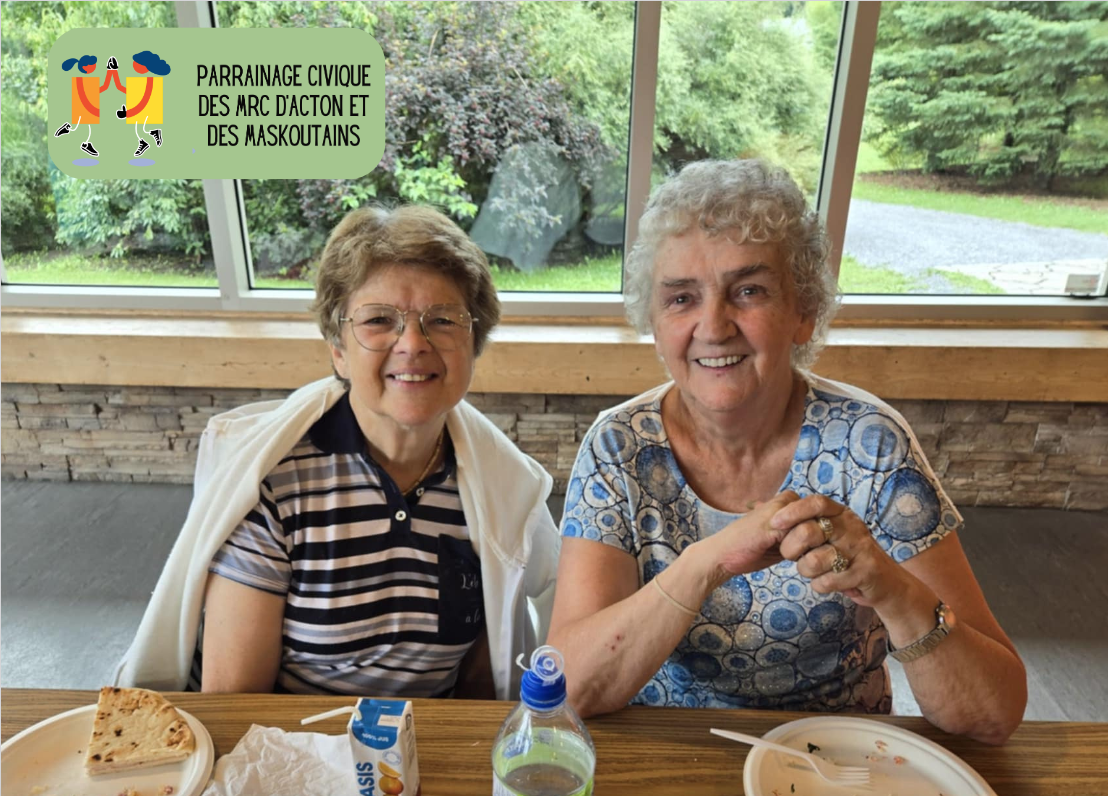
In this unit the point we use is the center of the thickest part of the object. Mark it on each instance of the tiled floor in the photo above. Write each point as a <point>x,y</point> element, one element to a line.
<point>79,561</point>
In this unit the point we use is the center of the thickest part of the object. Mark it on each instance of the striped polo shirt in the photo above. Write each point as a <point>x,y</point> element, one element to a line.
<point>383,590</point>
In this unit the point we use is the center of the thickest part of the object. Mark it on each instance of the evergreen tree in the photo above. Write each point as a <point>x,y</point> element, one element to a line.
<point>1000,89</point>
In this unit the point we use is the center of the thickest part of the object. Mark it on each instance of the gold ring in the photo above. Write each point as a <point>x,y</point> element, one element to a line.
<point>827,528</point>
<point>841,563</point>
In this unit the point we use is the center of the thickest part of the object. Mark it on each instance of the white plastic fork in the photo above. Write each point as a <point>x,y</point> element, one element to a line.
<point>843,776</point>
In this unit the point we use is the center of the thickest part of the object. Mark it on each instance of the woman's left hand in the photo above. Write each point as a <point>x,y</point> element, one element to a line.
<point>842,555</point>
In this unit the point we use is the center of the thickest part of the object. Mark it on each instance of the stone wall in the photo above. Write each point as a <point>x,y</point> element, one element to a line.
<point>987,453</point>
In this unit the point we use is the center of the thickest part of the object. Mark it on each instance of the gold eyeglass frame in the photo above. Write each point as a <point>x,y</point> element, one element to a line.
<point>404,324</point>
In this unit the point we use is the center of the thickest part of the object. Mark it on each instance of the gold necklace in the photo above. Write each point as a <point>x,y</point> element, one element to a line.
<point>430,463</point>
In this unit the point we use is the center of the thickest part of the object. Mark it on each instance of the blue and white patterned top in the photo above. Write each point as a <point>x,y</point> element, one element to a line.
<point>764,640</point>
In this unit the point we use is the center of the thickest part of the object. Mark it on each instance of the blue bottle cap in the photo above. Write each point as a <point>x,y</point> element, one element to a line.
<point>544,685</point>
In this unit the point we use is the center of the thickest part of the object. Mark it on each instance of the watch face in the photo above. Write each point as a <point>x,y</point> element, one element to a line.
<point>946,616</point>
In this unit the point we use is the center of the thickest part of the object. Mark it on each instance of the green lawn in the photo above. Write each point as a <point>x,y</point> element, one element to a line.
<point>73,269</point>
<point>599,275</point>
<point>966,284</point>
<point>1030,209</point>
<point>857,278</point>
<point>870,160</point>
<point>1036,210</point>
<point>602,275</point>
<point>593,275</point>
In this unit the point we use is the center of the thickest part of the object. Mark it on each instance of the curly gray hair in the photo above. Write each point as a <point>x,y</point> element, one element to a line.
<point>750,201</point>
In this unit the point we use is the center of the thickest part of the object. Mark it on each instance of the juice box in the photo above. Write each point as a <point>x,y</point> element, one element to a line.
<point>383,747</point>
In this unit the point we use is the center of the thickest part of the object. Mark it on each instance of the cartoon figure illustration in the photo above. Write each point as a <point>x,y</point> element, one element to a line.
<point>86,98</point>
<point>144,98</point>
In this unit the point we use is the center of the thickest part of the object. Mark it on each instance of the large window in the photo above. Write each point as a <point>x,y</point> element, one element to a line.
<point>510,117</point>
<point>58,230</point>
<point>978,131</point>
<point>983,164</point>
<point>745,80</point>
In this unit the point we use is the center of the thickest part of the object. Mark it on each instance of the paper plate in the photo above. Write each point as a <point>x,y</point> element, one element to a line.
<point>899,761</point>
<point>49,759</point>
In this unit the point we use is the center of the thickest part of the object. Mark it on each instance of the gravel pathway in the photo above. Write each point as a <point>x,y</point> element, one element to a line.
<point>913,240</point>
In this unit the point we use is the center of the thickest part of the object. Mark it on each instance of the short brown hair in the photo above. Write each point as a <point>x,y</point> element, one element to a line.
<point>375,237</point>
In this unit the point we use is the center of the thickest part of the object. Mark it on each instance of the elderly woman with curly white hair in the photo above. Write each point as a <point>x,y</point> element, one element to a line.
<point>750,534</point>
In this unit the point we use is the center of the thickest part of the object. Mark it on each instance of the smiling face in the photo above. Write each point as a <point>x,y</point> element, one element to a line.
<point>725,320</point>
<point>412,383</point>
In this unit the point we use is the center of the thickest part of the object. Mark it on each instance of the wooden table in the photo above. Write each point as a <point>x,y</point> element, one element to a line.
<point>639,750</point>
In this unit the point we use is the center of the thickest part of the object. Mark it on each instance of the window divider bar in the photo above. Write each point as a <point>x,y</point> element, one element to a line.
<point>194,13</point>
<point>515,305</point>
<point>225,221</point>
<point>644,84</point>
<point>85,297</point>
<point>228,248</point>
<point>844,127</point>
<point>926,309</point>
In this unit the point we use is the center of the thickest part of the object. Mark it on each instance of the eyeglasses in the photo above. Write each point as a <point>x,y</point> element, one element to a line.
<point>377,327</point>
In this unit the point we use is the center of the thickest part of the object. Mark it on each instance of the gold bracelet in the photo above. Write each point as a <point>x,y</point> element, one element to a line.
<point>664,593</point>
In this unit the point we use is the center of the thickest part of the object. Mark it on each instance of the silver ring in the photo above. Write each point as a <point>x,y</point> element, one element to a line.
<point>827,528</point>
<point>840,564</point>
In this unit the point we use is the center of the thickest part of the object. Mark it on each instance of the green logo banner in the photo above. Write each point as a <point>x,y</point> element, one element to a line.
<point>219,104</point>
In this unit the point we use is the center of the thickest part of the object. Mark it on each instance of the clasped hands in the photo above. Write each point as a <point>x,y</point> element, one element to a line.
<point>113,66</point>
<point>789,527</point>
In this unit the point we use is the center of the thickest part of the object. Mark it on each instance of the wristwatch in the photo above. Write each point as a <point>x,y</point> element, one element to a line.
<point>920,647</point>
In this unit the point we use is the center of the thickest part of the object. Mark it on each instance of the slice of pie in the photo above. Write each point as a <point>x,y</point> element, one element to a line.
<point>136,728</point>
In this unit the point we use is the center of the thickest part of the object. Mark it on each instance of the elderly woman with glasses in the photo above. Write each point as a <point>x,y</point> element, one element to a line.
<point>372,534</point>
<point>750,534</point>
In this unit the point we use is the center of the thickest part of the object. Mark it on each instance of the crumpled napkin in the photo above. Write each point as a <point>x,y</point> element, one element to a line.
<point>268,761</point>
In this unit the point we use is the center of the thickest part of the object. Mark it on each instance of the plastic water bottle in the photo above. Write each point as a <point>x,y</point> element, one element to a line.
<point>543,748</point>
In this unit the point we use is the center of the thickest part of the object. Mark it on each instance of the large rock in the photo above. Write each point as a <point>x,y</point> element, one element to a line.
<point>533,202</point>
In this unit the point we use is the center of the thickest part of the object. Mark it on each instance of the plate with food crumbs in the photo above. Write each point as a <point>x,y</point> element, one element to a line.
<point>48,759</point>
<point>900,762</point>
